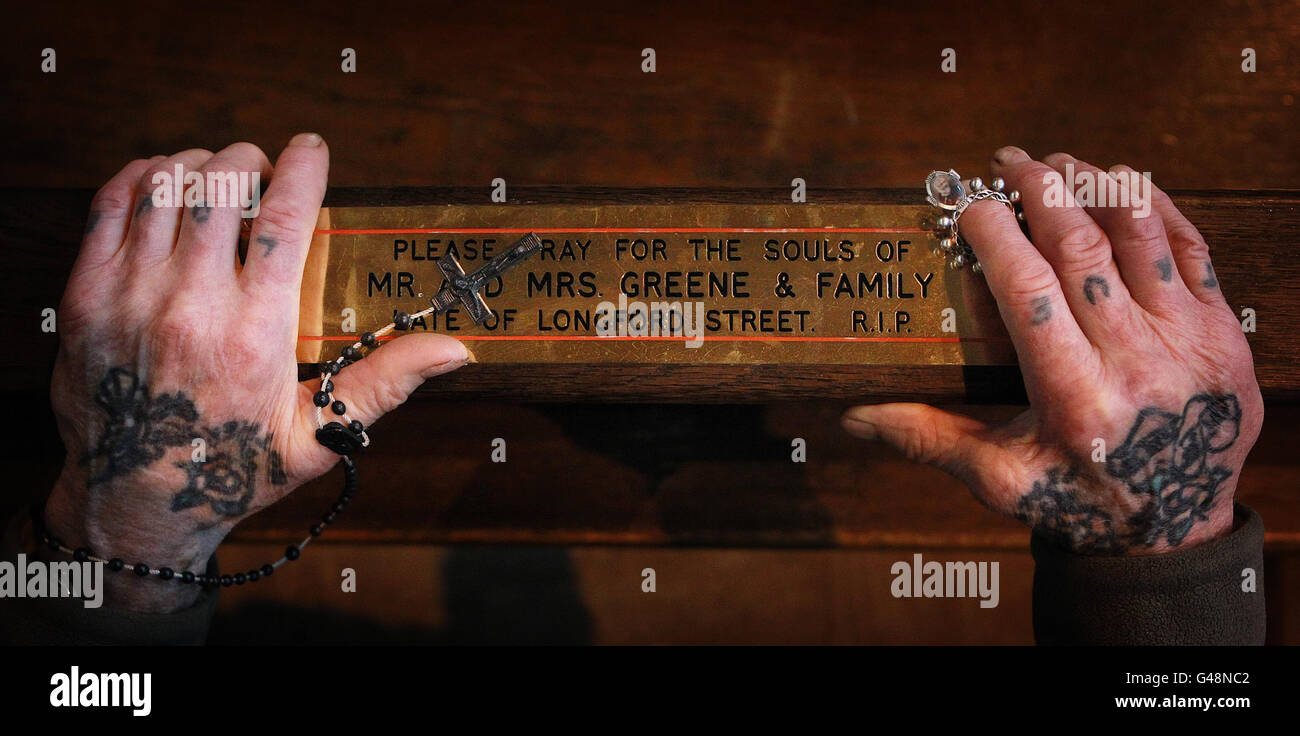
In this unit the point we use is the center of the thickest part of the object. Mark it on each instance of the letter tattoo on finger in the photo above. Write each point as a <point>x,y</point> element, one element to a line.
<point>1042,307</point>
<point>1211,281</point>
<point>1095,282</point>
<point>1166,269</point>
<point>269,242</point>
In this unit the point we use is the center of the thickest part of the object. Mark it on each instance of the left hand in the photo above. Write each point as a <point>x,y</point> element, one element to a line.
<point>176,387</point>
<point>1143,399</point>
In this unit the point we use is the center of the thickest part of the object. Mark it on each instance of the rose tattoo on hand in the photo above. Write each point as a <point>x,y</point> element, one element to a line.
<point>227,477</point>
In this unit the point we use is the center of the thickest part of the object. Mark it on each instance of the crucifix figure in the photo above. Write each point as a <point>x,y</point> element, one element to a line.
<point>465,288</point>
<point>347,438</point>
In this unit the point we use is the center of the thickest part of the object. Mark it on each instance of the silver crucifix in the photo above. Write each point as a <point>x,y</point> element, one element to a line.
<point>465,288</point>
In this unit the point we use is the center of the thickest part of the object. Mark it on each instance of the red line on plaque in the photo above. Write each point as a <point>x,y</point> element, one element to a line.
<point>713,338</point>
<point>586,230</point>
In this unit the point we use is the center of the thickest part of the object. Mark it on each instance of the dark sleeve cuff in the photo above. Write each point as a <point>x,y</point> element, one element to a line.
<point>66,621</point>
<point>1193,596</point>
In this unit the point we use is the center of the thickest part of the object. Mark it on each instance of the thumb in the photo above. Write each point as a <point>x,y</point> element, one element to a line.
<point>948,441</point>
<point>384,379</point>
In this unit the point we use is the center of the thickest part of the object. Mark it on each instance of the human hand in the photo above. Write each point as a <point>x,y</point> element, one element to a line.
<point>1126,345</point>
<point>166,339</point>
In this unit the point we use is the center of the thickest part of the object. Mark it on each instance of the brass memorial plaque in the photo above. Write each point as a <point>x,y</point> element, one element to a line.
<point>677,283</point>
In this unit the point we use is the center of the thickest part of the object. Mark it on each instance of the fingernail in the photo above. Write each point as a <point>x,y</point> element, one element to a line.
<point>1009,154</point>
<point>310,140</point>
<point>857,426</point>
<point>448,365</point>
<point>1058,158</point>
<point>469,355</point>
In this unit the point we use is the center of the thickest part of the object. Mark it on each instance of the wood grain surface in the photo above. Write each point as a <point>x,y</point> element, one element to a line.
<point>844,95</point>
<point>682,454</point>
<point>1247,232</point>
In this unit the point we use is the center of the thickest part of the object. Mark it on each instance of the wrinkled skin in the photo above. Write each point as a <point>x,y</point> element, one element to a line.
<point>168,345</point>
<point>1124,339</point>
<point>1122,335</point>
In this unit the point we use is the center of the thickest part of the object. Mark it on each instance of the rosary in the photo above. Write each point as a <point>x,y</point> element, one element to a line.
<point>343,436</point>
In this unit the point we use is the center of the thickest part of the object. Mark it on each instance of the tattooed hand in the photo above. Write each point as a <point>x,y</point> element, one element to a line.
<point>176,385</point>
<point>1142,390</point>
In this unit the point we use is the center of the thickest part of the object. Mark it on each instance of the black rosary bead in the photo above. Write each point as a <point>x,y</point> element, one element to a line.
<point>317,530</point>
<point>402,321</point>
<point>356,426</point>
<point>227,581</point>
<point>321,399</point>
<point>338,507</point>
<point>141,569</point>
<point>326,385</point>
<point>267,570</point>
<point>240,578</point>
<point>329,518</point>
<point>338,407</point>
<point>369,340</point>
<point>116,564</point>
<point>292,552</point>
<point>351,353</point>
<point>81,555</point>
<point>327,369</point>
<point>53,543</point>
<point>253,575</point>
<point>187,577</point>
<point>166,573</point>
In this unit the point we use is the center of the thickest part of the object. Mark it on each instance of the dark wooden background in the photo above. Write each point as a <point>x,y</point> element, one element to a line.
<point>748,546</point>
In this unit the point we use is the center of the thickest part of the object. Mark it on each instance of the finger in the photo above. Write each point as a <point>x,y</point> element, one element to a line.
<point>950,442</point>
<point>384,379</point>
<point>1049,344</point>
<point>209,236</point>
<point>1073,243</point>
<point>110,215</point>
<point>286,219</point>
<point>1190,251</point>
<point>157,213</point>
<point>1136,234</point>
